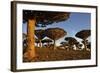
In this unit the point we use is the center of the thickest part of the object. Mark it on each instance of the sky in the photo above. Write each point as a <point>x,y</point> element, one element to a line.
<point>75,23</point>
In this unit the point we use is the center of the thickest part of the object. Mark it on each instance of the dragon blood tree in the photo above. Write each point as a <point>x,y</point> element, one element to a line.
<point>55,34</point>
<point>40,34</point>
<point>84,34</point>
<point>39,19</point>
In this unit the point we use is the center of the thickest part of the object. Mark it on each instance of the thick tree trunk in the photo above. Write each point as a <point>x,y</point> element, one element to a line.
<point>54,44</point>
<point>30,53</point>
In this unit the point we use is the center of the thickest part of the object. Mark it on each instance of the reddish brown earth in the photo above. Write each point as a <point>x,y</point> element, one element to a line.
<point>48,54</point>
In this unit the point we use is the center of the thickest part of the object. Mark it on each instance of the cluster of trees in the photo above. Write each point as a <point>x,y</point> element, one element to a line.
<point>42,19</point>
<point>52,33</point>
<point>57,33</point>
<point>71,41</point>
<point>39,19</point>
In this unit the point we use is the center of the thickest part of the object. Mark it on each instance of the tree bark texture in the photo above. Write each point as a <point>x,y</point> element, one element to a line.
<point>30,53</point>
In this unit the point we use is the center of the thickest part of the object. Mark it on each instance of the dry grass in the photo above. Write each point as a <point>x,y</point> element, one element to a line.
<point>49,54</point>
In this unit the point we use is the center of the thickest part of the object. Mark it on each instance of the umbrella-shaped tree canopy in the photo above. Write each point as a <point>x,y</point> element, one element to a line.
<point>40,33</point>
<point>71,40</point>
<point>86,41</point>
<point>89,45</point>
<point>46,41</point>
<point>64,43</point>
<point>84,34</point>
<point>55,33</point>
<point>80,46</point>
<point>39,19</point>
<point>44,17</point>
